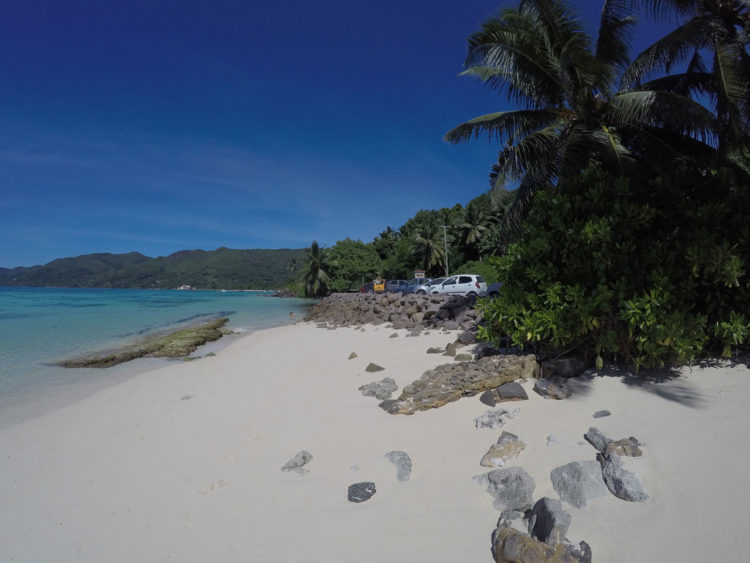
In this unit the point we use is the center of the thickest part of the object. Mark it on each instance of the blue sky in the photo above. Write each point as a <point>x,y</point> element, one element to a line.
<point>179,124</point>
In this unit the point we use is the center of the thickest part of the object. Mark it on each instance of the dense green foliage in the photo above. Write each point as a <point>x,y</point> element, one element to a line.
<point>223,268</point>
<point>651,276</point>
<point>627,237</point>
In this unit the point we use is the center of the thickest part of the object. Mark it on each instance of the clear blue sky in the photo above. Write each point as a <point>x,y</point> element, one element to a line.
<point>157,126</point>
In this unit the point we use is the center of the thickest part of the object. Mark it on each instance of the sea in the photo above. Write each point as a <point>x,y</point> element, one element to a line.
<point>42,326</point>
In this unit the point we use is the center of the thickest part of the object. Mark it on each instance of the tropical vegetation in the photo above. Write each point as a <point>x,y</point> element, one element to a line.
<point>626,238</point>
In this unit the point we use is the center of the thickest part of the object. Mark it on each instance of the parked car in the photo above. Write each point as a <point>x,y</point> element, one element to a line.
<point>367,288</point>
<point>417,285</point>
<point>435,285</point>
<point>378,286</point>
<point>493,290</point>
<point>463,284</point>
<point>394,286</point>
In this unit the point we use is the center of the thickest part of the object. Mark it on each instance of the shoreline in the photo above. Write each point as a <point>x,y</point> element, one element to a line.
<point>183,462</point>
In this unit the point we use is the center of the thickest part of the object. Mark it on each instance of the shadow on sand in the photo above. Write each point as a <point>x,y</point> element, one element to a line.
<point>665,383</point>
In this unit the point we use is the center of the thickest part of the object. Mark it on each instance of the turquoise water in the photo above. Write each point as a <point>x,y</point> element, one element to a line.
<point>39,326</point>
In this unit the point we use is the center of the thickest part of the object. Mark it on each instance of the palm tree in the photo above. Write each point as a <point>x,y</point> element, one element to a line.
<point>719,29</point>
<point>473,230</point>
<point>315,275</point>
<point>540,56</point>
<point>429,247</point>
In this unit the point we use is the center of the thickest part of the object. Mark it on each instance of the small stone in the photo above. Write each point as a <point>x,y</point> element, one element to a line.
<point>382,389</point>
<point>187,397</point>
<point>489,398</point>
<point>548,522</point>
<point>597,439</point>
<point>435,350</point>
<point>622,483</point>
<point>512,391</point>
<point>627,447</point>
<point>371,368</point>
<point>578,482</point>
<point>402,461</point>
<point>602,413</point>
<point>210,355</point>
<point>394,335</point>
<point>352,355</point>
<point>511,487</point>
<point>507,447</point>
<point>360,492</point>
<point>295,464</point>
<point>552,388</point>
<point>492,419</point>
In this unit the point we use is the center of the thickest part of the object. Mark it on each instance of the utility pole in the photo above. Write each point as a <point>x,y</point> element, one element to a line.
<point>445,243</point>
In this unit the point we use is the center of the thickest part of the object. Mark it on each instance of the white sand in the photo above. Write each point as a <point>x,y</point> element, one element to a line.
<point>137,472</point>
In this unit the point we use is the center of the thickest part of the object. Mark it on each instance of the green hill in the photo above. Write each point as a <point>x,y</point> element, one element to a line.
<point>216,269</point>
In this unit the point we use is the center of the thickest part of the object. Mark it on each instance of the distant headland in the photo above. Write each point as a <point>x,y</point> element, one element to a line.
<point>223,268</point>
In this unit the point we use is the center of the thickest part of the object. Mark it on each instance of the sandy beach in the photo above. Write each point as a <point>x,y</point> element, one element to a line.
<point>183,462</point>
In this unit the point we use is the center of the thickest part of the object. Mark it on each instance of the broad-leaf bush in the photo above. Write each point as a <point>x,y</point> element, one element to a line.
<point>651,275</point>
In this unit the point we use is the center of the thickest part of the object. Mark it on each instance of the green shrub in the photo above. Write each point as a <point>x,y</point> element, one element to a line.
<point>652,276</point>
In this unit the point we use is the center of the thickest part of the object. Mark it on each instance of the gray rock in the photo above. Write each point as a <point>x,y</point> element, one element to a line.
<point>491,419</point>
<point>295,464</point>
<point>548,522</point>
<point>371,368</point>
<point>435,350</point>
<point>468,337</point>
<point>507,447</point>
<point>563,367</point>
<point>382,389</point>
<point>512,391</point>
<point>352,355</point>
<point>597,439</point>
<point>602,413</point>
<point>553,388</point>
<point>622,483</point>
<point>511,487</point>
<point>463,358</point>
<point>489,397</point>
<point>394,335</point>
<point>578,482</point>
<point>402,461</point>
<point>360,492</point>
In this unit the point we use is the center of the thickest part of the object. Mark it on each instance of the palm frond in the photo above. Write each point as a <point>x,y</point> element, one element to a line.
<point>674,112</point>
<point>503,126</point>
<point>530,155</point>
<point>615,32</point>
<point>667,51</point>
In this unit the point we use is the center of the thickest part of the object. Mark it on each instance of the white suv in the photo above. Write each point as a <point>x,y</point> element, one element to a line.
<point>463,284</point>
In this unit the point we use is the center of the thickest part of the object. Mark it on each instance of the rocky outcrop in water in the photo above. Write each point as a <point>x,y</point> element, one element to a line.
<point>450,382</point>
<point>177,344</point>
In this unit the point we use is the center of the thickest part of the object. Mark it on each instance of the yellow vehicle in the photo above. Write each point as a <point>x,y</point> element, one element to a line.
<point>378,286</point>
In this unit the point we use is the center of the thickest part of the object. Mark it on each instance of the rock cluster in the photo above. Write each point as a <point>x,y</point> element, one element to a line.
<point>620,481</point>
<point>450,382</point>
<point>402,311</point>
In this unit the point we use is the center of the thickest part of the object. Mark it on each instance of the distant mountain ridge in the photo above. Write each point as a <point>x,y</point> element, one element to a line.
<point>223,268</point>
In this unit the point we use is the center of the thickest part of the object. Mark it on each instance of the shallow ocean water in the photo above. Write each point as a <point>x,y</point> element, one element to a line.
<point>39,326</point>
